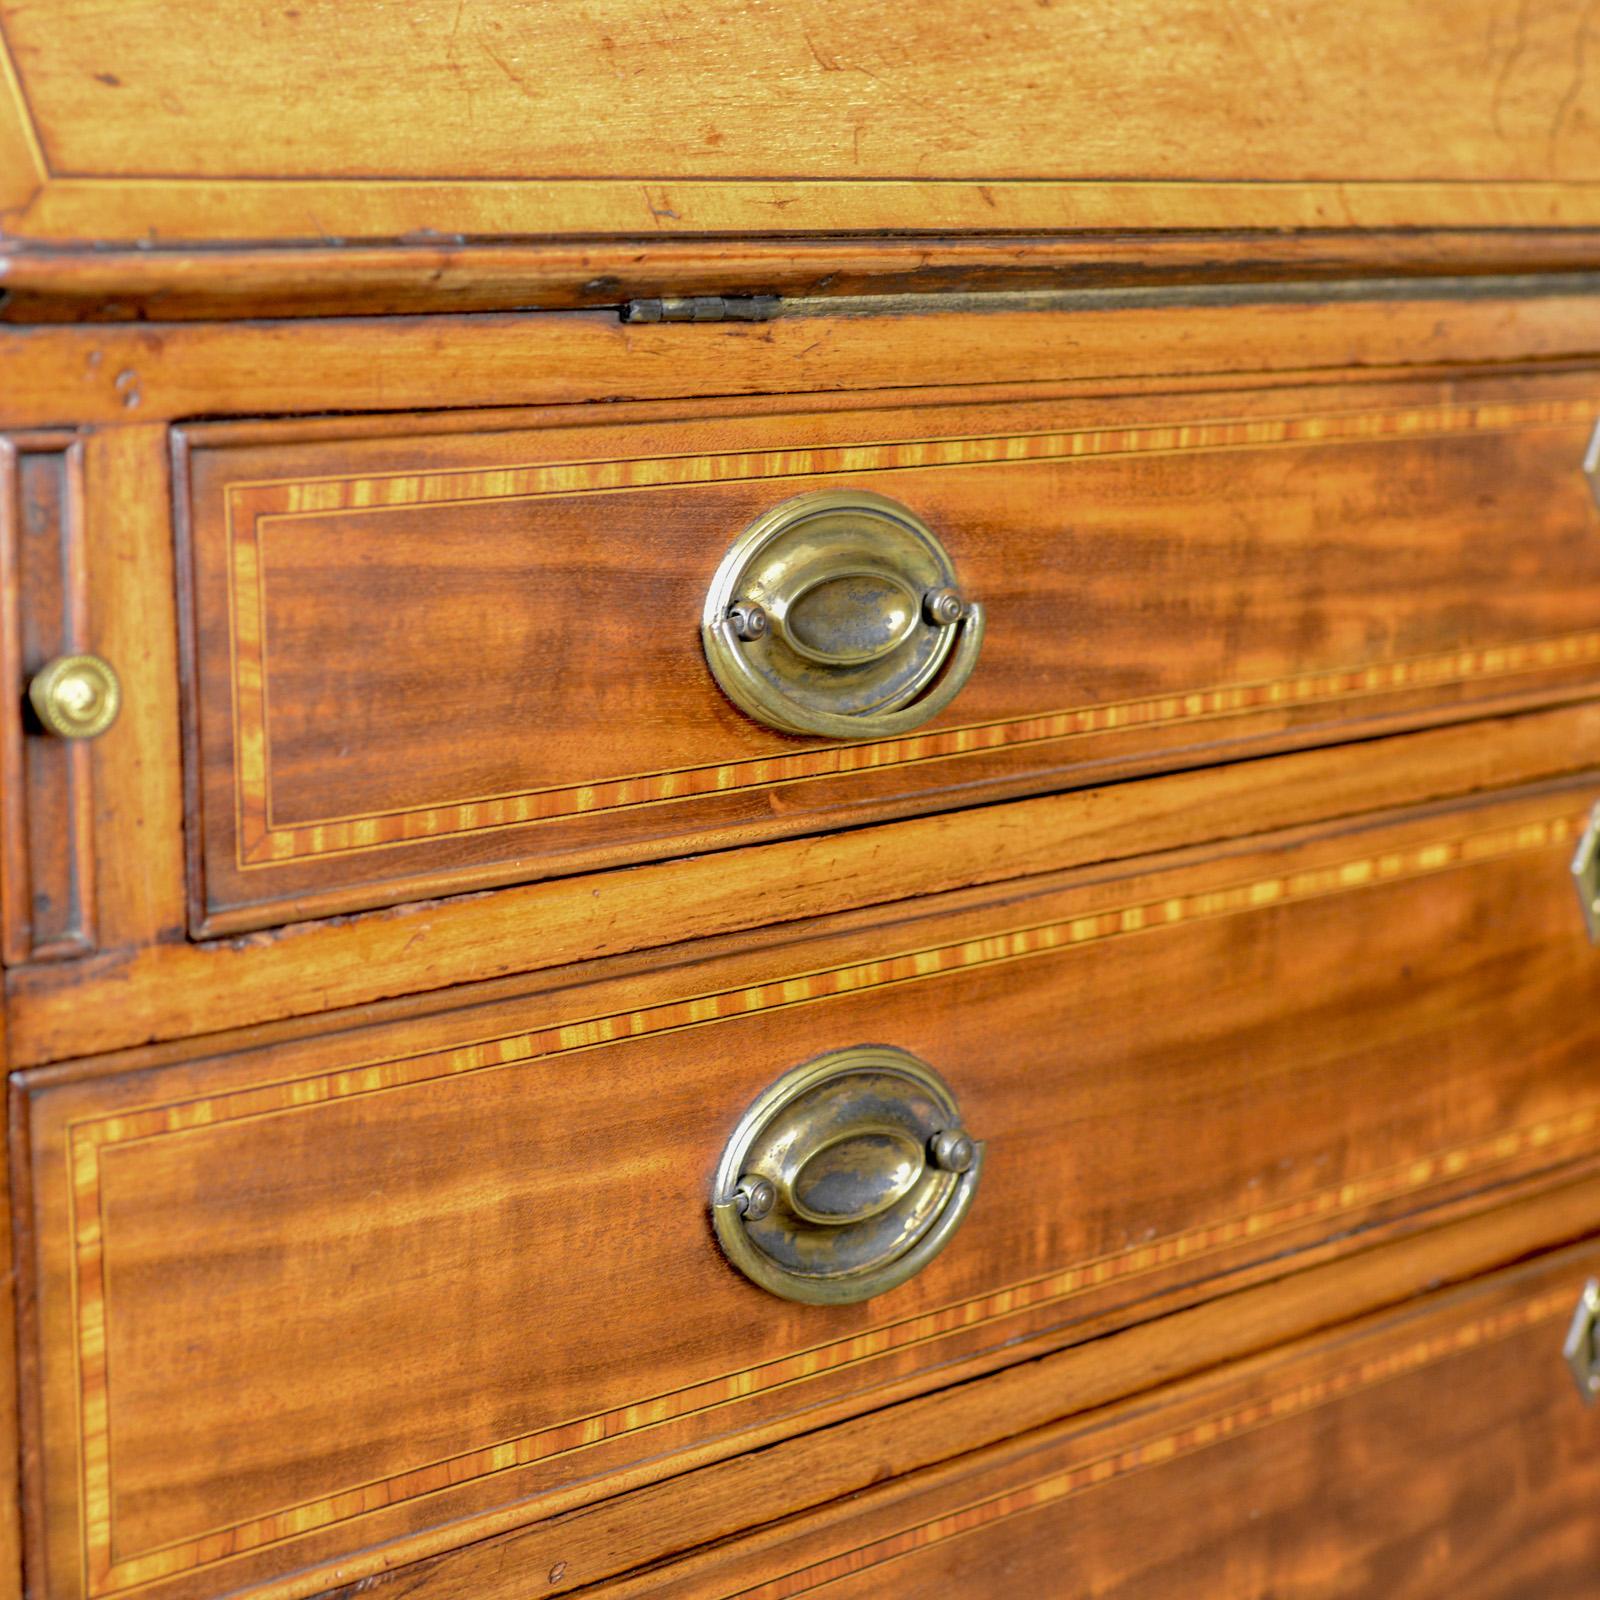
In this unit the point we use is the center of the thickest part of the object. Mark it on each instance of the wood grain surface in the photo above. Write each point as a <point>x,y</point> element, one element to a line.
<point>428,663</point>
<point>699,1508</point>
<point>158,985</point>
<point>380,991</point>
<point>134,372</point>
<point>322,1294</point>
<point>117,285</point>
<point>49,895</point>
<point>1436,1449</point>
<point>305,123</point>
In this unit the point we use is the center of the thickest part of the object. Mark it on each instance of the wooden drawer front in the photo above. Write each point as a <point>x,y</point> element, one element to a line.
<point>426,664</point>
<point>398,1287</point>
<point>1441,1449</point>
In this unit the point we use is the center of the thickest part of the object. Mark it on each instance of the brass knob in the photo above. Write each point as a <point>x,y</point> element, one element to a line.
<point>839,613</point>
<point>76,697</point>
<point>846,1177</point>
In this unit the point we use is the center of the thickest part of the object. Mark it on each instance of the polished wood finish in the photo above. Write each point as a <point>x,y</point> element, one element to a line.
<point>47,886</point>
<point>380,991</point>
<point>1108,1363</point>
<point>118,285</point>
<point>1432,1450</point>
<point>430,662</point>
<point>114,374</point>
<point>517,120</point>
<point>235,1253</point>
<point>170,987</point>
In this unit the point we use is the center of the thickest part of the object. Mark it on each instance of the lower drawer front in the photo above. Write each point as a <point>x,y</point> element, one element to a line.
<point>1439,1450</point>
<point>322,1305</point>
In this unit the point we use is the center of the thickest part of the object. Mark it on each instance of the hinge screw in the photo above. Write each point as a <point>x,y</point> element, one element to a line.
<point>943,607</point>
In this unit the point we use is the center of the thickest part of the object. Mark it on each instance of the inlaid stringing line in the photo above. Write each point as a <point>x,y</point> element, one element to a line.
<point>87,1138</point>
<point>376,491</point>
<point>360,835</point>
<point>1220,1427</point>
<point>259,843</point>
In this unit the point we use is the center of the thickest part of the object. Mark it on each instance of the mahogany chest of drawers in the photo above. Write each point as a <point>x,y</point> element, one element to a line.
<point>797,799</point>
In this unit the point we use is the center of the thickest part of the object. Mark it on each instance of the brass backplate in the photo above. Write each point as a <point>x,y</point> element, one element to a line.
<point>846,1177</point>
<point>856,613</point>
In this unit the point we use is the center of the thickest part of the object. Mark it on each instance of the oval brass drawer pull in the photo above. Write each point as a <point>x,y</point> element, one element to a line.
<point>839,613</point>
<point>75,697</point>
<point>846,1177</point>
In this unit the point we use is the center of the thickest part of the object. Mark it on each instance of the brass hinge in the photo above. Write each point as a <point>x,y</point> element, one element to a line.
<point>704,308</point>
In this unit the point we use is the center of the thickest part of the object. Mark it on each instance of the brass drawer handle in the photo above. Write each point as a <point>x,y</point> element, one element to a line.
<point>1586,875</point>
<point>1582,1349</point>
<point>846,1177</point>
<point>838,613</point>
<point>75,697</point>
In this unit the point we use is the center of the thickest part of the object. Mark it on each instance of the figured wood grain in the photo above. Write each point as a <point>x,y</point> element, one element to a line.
<point>806,1473</point>
<point>1437,1448</point>
<point>167,988</point>
<point>115,373</point>
<point>1388,1015</point>
<point>394,1265</point>
<point>481,661</point>
<point>304,122</point>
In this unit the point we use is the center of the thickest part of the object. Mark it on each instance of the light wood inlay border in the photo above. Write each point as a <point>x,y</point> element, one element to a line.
<point>108,1572</point>
<point>22,163</point>
<point>253,507</point>
<point>76,207</point>
<point>1161,1449</point>
<point>77,203</point>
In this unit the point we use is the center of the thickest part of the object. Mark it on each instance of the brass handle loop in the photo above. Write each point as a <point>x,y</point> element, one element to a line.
<point>846,1177</point>
<point>838,613</point>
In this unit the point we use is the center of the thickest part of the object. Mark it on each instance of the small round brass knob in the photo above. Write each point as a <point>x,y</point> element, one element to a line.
<point>846,1177</point>
<point>76,697</point>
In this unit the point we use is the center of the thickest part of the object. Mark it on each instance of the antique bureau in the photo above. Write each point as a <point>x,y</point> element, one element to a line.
<point>790,799</point>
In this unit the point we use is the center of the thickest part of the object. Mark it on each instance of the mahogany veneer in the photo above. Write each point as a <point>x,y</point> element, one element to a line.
<point>430,662</point>
<point>237,1253</point>
<point>383,987</point>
